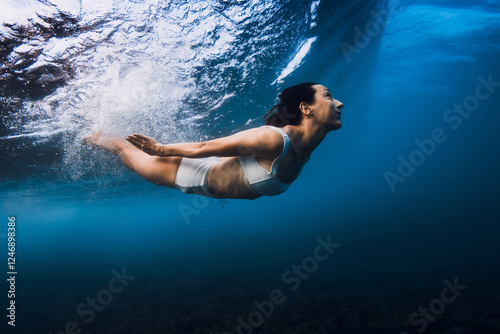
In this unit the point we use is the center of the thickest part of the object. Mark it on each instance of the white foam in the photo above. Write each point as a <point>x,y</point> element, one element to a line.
<point>135,64</point>
<point>39,134</point>
<point>296,61</point>
<point>14,11</point>
<point>314,13</point>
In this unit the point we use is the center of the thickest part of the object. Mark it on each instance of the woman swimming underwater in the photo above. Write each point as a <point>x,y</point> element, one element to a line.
<point>257,162</point>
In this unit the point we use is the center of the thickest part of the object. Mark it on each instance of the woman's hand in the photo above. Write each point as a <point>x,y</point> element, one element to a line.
<point>146,144</point>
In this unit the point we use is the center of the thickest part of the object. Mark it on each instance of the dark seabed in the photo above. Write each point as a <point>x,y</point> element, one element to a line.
<point>392,227</point>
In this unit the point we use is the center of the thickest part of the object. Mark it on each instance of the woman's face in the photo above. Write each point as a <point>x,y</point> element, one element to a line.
<point>327,109</point>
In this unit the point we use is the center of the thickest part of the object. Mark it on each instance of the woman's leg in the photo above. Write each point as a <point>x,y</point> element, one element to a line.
<point>159,170</point>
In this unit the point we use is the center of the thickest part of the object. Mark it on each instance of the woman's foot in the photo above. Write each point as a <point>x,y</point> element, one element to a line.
<point>92,139</point>
<point>112,144</point>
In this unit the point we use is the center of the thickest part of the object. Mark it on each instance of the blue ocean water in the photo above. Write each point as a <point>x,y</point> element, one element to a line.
<point>398,205</point>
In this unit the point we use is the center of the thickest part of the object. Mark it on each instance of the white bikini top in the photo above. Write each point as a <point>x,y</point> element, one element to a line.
<point>264,182</point>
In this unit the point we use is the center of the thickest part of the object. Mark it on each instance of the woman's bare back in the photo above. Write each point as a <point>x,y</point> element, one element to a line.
<point>227,178</point>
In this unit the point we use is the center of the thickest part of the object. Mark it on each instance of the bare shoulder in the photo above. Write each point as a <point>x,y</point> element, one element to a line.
<point>270,137</point>
<point>267,141</point>
<point>262,134</point>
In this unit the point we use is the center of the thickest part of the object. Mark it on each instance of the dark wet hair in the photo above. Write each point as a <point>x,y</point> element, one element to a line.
<point>287,111</point>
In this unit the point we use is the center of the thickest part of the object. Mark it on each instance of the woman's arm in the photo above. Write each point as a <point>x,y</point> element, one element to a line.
<point>259,141</point>
<point>152,147</point>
